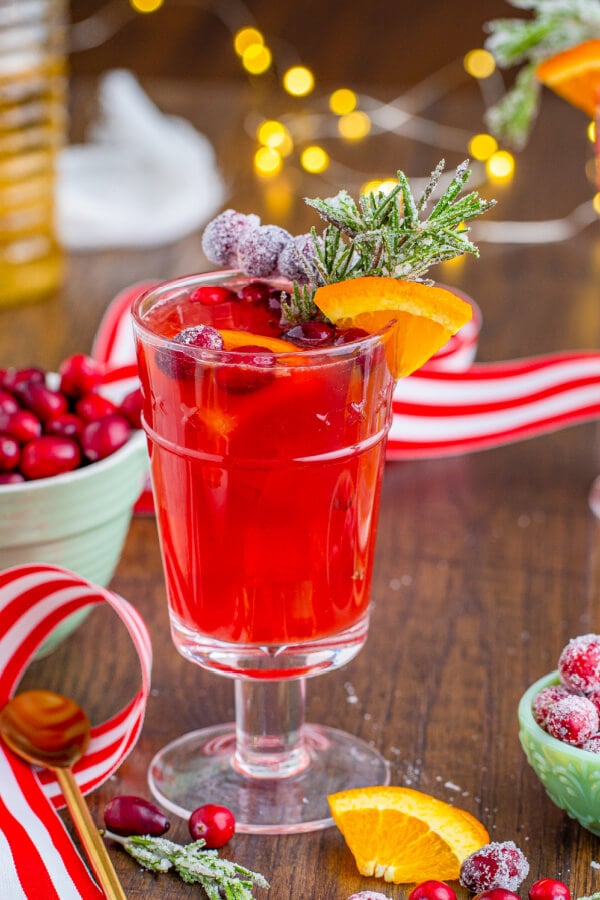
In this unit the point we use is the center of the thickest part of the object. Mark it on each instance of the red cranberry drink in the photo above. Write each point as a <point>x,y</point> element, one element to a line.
<point>267,447</point>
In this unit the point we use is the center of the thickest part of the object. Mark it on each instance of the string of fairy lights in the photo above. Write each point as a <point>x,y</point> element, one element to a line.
<point>293,139</point>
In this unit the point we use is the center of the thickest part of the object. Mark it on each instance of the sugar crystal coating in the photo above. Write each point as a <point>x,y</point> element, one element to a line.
<point>222,235</point>
<point>296,259</point>
<point>572,719</point>
<point>496,865</point>
<point>592,745</point>
<point>369,895</point>
<point>579,663</point>
<point>545,699</point>
<point>258,250</point>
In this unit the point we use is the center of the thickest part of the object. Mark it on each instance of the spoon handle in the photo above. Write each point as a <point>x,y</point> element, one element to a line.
<point>90,836</point>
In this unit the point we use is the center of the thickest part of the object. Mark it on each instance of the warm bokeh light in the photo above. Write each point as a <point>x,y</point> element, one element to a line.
<point>245,38</point>
<point>385,185</point>
<point>500,166</point>
<point>274,134</point>
<point>146,6</point>
<point>479,63</point>
<point>482,146</point>
<point>343,101</point>
<point>298,81</point>
<point>267,161</point>
<point>257,59</point>
<point>314,159</point>
<point>354,125</point>
<point>596,203</point>
<point>591,132</point>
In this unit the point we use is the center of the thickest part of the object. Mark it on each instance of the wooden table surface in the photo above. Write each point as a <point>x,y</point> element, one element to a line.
<point>486,563</point>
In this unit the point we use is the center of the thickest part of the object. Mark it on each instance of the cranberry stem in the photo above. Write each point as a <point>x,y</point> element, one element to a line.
<point>269,728</point>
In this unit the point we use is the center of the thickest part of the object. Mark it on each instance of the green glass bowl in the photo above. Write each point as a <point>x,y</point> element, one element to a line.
<point>570,776</point>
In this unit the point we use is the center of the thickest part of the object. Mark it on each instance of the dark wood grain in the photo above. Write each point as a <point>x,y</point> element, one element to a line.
<point>486,563</point>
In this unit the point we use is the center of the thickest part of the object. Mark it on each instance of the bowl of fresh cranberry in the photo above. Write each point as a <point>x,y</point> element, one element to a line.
<point>559,730</point>
<point>72,464</point>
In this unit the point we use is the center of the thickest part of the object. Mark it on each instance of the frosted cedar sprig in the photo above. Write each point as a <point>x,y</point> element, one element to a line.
<point>553,26</point>
<point>219,877</point>
<point>384,234</point>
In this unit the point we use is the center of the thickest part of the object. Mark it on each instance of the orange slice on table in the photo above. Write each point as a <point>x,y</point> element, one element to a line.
<point>405,836</point>
<point>574,74</point>
<point>426,317</point>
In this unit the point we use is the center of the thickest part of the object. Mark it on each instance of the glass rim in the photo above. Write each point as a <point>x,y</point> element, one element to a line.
<point>327,353</point>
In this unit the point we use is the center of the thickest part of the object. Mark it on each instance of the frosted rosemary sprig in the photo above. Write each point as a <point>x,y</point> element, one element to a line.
<point>219,877</point>
<point>553,26</point>
<point>384,234</point>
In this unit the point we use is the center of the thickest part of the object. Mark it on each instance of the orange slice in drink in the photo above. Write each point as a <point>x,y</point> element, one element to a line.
<point>234,339</point>
<point>574,74</point>
<point>425,317</point>
<point>405,836</point>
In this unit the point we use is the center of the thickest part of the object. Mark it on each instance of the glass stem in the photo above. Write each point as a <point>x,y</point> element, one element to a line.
<point>269,727</point>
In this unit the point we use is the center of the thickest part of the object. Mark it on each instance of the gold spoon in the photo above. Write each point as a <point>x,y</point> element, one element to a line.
<point>50,730</point>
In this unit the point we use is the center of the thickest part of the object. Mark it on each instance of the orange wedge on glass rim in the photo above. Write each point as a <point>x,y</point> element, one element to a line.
<point>425,316</point>
<point>405,836</point>
<point>574,74</point>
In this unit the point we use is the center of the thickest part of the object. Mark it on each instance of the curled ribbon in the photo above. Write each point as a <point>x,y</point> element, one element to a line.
<point>38,856</point>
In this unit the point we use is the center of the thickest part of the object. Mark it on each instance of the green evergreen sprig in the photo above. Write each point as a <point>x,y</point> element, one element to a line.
<point>553,26</point>
<point>219,877</point>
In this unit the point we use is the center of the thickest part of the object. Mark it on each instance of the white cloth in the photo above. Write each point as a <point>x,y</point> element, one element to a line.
<point>144,178</point>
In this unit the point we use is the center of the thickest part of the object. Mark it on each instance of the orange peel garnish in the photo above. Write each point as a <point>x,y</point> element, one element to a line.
<point>234,339</point>
<point>574,74</point>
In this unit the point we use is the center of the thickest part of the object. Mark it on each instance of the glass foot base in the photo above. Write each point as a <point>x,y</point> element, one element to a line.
<point>199,768</point>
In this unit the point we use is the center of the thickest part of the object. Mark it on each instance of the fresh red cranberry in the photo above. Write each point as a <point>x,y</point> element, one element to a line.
<point>47,456</point>
<point>549,889</point>
<point>11,478</point>
<point>128,814</point>
<point>255,292</point>
<point>545,699</point>
<point>432,890</point>
<point>8,403</point>
<point>41,400</point>
<point>496,865</point>
<point>572,719</point>
<point>214,824</point>
<point>10,453</point>
<point>13,377</point>
<point>252,367</point>
<point>497,894</point>
<point>131,407</point>
<point>211,295</point>
<point>103,437</point>
<point>22,424</point>
<point>579,663</point>
<point>350,335</point>
<point>65,425</point>
<point>274,301</point>
<point>94,406</point>
<point>311,334</point>
<point>79,375</point>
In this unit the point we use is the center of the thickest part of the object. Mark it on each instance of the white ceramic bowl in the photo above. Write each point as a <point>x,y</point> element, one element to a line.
<point>77,520</point>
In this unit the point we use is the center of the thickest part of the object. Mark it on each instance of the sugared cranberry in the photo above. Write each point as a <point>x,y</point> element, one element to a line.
<point>592,745</point>
<point>10,453</point>
<point>13,377</point>
<point>212,295</point>
<point>255,292</point>
<point>41,400</point>
<point>369,895</point>
<point>432,890</point>
<point>11,478</point>
<point>103,437</point>
<point>258,250</point>
<point>8,403</point>
<point>247,369</point>
<point>545,699</point>
<point>549,889</point>
<point>65,425</point>
<point>579,663</point>
<point>131,407</point>
<point>311,334</point>
<point>203,336</point>
<point>79,375</point>
<point>496,865</point>
<point>572,719</point>
<point>47,456</point>
<point>94,406</point>
<point>296,260</point>
<point>214,824</point>
<point>222,235</point>
<point>22,424</point>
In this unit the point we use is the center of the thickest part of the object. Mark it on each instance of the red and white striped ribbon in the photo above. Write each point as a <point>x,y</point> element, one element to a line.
<point>451,405</point>
<point>38,859</point>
